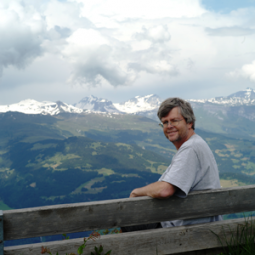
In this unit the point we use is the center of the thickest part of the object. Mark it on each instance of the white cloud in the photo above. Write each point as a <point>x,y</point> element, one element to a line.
<point>110,12</point>
<point>21,31</point>
<point>66,14</point>
<point>95,58</point>
<point>128,42</point>
<point>230,31</point>
<point>155,34</point>
<point>247,71</point>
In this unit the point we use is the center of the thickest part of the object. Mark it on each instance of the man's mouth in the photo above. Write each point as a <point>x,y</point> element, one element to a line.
<point>172,132</point>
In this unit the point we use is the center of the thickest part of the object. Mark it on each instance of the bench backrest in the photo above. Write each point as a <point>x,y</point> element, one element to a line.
<point>70,218</point>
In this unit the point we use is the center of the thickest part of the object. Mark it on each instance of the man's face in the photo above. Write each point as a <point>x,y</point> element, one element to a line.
<point>176,134</point>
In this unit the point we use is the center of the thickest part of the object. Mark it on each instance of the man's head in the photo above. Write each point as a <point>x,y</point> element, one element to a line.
<point>184,107</point>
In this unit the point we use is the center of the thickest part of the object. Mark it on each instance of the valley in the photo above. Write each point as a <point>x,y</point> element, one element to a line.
<point>77,157</point>
<point>68,158</point>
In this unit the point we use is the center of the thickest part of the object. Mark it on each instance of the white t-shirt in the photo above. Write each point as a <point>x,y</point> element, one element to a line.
<point>193,168</point>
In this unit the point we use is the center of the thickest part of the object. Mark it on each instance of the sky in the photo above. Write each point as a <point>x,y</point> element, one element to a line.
<point>69,49</point>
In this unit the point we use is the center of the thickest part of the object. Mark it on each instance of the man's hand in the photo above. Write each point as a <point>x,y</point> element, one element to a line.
<point>134,193</point>
<point>155,190</point>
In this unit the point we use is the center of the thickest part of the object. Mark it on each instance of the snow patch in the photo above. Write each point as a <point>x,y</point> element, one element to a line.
<point>30,106</point>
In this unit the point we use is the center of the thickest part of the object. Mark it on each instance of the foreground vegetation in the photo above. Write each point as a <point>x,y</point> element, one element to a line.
<point>241,240</point>
<point>93,236</point>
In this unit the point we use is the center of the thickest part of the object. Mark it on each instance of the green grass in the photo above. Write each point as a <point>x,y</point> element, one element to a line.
<point>85,122</point>
<point>239,241</point>
<point>105,171</point>
<point>4,207</point>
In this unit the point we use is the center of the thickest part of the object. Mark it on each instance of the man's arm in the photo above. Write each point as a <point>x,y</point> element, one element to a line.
<point>158,189</point>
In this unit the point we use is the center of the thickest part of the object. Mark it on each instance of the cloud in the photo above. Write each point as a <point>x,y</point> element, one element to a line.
<point>108,13</point>
<point>21,33</point>
<point>155,60</point>
<point>65,14</point>
<point>28,30</point>
<point>229,31</point>
<point>95,58</point>
<point>155,34</point>
<point>247,71</point>
<point>120,43</point>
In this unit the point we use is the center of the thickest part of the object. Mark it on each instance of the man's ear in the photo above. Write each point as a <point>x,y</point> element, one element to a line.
<point>190,125</point>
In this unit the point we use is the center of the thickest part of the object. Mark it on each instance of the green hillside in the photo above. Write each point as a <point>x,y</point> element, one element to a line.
<point>235,158</point>
<point>226,121</point>
<point>75,158</point>
<point>59,171</point>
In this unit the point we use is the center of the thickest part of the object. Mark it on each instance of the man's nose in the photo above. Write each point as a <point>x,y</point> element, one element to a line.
<point>169,124</point>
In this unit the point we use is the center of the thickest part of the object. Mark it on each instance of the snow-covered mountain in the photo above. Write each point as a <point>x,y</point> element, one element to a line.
<point>243,97</point>
<point>139,104</point>
<point>240,104</point>
<point>95,104</point>
<point>31,106</point>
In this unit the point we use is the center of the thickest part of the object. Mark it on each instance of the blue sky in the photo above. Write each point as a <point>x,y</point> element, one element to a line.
<point>66,50</point>
<point>226,6</point>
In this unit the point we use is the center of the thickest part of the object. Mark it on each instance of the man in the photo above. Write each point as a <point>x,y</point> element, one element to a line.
<point>193,167</point>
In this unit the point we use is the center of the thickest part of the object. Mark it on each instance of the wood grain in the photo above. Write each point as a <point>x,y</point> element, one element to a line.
<point>69,218</point>
<point>149,242</point>
<point>1,234</point>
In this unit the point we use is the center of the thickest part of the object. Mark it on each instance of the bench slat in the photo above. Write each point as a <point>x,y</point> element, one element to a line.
<point>148,242</point>
<point>1,233</point>
<point>70,218</point>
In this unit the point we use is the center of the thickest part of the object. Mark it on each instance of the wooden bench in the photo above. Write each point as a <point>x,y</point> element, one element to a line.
<point>70,218</point>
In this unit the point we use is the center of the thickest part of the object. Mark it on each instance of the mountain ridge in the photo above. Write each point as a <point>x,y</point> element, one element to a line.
<point>243,97</point>
<point>141,105</point>
<point>31,106</point>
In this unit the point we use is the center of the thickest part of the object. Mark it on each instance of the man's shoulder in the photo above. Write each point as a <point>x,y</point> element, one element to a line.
<point>195,141</point>
<point>196,144</point>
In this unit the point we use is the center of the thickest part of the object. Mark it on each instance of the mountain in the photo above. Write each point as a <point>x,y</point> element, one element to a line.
<point>31,106</point>
<point>244,97</point>
<point>69,158</point>
<point>239,106</point>
<point>234,114</point>
<point>95,104</point>
<point>42,162</point>
<point>139,104</point>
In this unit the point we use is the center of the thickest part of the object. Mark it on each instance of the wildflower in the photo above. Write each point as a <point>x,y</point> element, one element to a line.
<point>45,250</point>
<point>94,235</point>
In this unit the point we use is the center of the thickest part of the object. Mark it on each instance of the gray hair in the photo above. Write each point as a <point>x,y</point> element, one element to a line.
<point>184,106</point>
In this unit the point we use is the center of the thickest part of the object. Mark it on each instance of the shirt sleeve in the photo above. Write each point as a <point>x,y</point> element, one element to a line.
<point>183,171</point>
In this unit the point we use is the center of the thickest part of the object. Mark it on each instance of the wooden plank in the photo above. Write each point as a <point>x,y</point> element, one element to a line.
<point>149,242</point>
<point>69,218</point>
<point>215,251</point>
<point>1,233</point>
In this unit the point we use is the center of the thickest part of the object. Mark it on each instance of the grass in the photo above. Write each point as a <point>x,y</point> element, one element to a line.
<point>98,250</point>
<point>86,122</point>
<point>88,185</point>
<point>228,183</point>
<point>95,145</point>
<point>105,171</point>
<point>4,207</point>
<point>56,161</point>
<point>239,242</point>
<point>161,169</point>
